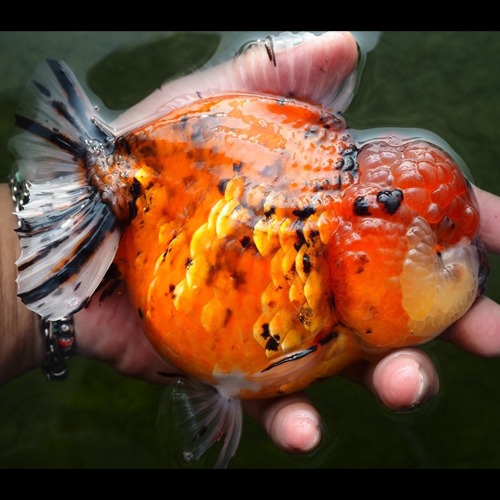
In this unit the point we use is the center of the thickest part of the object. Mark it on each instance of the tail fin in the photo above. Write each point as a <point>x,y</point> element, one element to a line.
<point>200,426</point>
<point>68,235</point>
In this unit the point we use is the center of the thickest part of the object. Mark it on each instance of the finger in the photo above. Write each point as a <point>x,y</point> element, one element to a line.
<point>489,206</point>
<point>478,331</point>
<point>402,381</point>
<point>291,422</point>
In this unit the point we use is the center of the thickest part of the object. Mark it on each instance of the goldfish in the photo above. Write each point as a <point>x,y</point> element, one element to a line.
<point>264,244</point>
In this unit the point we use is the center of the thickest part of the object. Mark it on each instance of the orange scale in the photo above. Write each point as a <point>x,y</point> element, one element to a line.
<point>470,221</point>
<point>417,199</point>
<point>456,209</point>
<point>443,194</point>
<point>420,151</point>
<point>459,182</point>
<point>381,176</point>
<point>378,155</point>
<point>406,176</point>
<point>328,225</point>
<point>429,174</point>
<point>434,214</point>
<point>442,172</point>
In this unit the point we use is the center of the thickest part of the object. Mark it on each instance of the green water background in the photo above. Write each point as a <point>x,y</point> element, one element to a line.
<point>445,82</point>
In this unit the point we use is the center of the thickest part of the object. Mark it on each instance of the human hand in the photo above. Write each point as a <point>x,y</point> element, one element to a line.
<point>402,380</point>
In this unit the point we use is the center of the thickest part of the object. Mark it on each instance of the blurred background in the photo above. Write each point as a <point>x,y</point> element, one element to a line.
<point>444,82</point>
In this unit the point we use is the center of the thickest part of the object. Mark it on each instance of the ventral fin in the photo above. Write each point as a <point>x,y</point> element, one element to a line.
<point>200,427</point>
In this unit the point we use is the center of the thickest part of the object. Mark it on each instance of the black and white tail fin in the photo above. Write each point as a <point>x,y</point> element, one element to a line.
<point>68,235</point>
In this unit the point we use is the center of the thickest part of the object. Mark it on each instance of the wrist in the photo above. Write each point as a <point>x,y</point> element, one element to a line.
<point>21,345</point>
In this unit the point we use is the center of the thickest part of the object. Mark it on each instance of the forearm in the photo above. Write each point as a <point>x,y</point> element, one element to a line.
<point>20,341</point>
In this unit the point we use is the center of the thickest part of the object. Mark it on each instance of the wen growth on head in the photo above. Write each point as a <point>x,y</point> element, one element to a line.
<point>264,244</point>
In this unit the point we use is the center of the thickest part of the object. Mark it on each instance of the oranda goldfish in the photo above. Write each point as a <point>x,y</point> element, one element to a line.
<point>264,244</point>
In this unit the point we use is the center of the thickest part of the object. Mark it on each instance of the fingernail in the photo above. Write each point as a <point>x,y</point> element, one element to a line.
<point>302,432</point>
<point>405,382</point>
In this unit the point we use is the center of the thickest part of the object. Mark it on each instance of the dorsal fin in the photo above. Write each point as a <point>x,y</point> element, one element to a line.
<point>274,65</point>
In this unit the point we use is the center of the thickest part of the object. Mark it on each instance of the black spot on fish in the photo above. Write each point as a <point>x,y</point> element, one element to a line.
<point>351,149</point>
<point>237,167</point>
<point>301,239</point>
<point>324,185</point>
<point>390,200</point>
<point>361,206</point>
<point>313,235</point>
<point>245,241</point>
<point>188,263</point>
<point>140,313</point>
<point>164,255</point>
<point>305,316</point>
<point>311,131</point>
<point>197,134</point>
<point>362,259</point>
<point>281,102</point>
<point>135,192</point>
<point>305,212</point>
<point>272,344</point>
<point>271,211</point>
<point>123,143</point>
<point>265,331</point>
<point>222,186</point>
<point>171,288</point>
<point>349,164</point>
<point>238,279</point>
<point>306,264</point>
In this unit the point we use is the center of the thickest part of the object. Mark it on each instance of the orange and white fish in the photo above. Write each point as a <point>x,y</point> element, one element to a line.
<point>264,244</point>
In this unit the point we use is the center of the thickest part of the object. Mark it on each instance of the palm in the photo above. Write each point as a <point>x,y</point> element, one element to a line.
<point>108,330</point>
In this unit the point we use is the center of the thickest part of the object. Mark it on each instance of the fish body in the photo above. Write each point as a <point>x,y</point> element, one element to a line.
<point>263,245</point>
<point>226,244</point>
